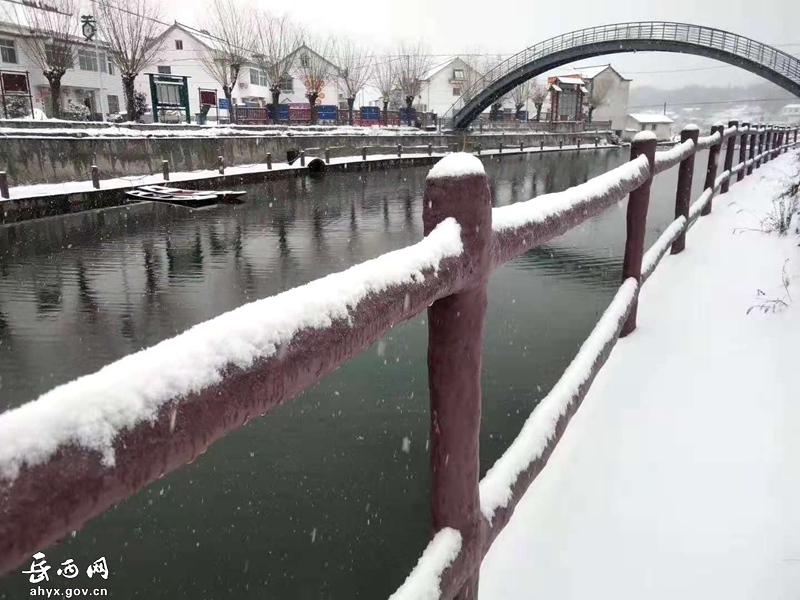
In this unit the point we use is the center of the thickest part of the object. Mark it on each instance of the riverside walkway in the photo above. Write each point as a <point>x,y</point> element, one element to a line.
<point>677,477</point>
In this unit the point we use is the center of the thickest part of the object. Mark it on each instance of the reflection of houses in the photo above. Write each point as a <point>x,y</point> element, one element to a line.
<point>182,49</point>
<point>661,125</point>
<point>566,97</point>
<point>81,85</point>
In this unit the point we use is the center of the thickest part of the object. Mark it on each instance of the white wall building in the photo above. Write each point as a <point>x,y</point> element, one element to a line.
<point>661,125</point>
<point>92,81</point>
<point>790,114</point>
<point>182,48</point>
<point>444,84</point>
<point>614,89</point>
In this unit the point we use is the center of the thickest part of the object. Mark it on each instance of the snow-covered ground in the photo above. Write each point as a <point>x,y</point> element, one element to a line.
<point>678,476</point>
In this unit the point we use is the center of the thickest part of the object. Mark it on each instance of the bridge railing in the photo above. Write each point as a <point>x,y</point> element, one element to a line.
<point>71,454</point>
<point>741,46</point>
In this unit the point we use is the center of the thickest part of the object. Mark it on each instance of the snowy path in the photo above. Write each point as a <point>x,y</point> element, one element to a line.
<point>679,477</point>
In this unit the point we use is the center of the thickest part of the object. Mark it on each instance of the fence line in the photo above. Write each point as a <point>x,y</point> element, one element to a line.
<point>75,451</point>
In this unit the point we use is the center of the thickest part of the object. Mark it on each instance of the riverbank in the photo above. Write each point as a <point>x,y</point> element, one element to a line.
<point>676,476</point>
<point>41,200</point>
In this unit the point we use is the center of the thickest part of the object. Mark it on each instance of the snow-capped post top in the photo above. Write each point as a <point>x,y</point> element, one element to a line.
<point>644,136</point>
<point>457,165</point>
<point>691,127</point>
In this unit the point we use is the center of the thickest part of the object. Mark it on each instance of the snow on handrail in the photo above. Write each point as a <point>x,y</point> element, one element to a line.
<point>525,225</point>
<point>657,251</point>
<point>721,179</point>
<point>729,131</point>
<point>540,427</point>
<point>423,583</point>
<point>704,143</point>
<point>92,410</point>
<point>697,207</point>
<point>668,159</point>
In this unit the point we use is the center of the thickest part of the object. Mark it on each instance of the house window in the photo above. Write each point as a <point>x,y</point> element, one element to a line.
<point>110,66</point>
<point>258,77</point>
<point>287,84</point>
<point>456,91</point>
<point>113,103</point>
<point>8,53</point>
<point>165,69</point>
<point>87,60</point>
<point>178,44</point>
<point>59,55</point>
<point>458,74</point>
<point>304,60</point>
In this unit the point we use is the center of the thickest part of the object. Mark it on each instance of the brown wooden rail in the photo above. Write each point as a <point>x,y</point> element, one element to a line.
<point>54,494</point>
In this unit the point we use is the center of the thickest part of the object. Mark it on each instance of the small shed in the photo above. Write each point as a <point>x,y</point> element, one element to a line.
<point>661,125</point>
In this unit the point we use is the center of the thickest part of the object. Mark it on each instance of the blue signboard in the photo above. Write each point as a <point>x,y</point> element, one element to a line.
<point>223,103</point>
<point>327,112</point>
<point>413,115</point>
<point>283,112</point>
<point>370,113</point>
<point>523,115</point>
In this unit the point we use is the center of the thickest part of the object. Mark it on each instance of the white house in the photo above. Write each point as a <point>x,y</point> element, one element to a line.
<point>92,80</point>
<point>444,84</point>
<point>612,90</point>
<point>790,114</point>
<point>661,125</point>
<point>181,50</point>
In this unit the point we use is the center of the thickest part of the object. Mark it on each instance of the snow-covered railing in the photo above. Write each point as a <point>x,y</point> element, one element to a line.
<point>71,454</point>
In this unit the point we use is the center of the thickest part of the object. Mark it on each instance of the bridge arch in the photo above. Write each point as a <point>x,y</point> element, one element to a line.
<point>772,64</point>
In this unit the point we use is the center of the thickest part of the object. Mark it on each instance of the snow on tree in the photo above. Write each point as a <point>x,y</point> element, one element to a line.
<point>316,69</point>
<point>538,95</point>
<point>597,96</point>
<point>230,35</point>
<point>412,64</point>
<point>520,95</point>
<point>384,79</point>
<point>355,71</point>
<point>132,36</point>
<point>48,33</point>
<point>276,40</point>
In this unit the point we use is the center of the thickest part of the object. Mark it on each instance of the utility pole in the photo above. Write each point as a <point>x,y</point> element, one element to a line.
<point>665,108</point>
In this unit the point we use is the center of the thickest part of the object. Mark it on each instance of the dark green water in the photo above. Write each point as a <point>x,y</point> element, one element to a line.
<point>318,499</point>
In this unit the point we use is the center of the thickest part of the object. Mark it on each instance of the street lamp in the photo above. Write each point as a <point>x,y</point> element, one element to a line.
<point>89,30</point>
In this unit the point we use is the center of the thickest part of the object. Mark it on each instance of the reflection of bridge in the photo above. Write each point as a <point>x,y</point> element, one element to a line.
<point>774,65</point>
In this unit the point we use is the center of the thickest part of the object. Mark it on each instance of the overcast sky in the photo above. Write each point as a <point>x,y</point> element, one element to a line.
<point>457,26</point>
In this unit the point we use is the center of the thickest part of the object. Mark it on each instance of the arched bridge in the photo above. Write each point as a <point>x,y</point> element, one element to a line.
<point>654,36</point>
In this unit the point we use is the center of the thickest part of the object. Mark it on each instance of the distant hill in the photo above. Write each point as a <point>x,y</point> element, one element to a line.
<point>705,105</point>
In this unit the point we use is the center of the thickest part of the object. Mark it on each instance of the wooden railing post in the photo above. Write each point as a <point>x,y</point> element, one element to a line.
<point>711,170</point>
<point>541,145</point>
<point>762,131</point>
<point>729,157</point>
<point>768,144</point>
<point>4,185</point>
<point>95,177</point>
<point>399,150</point>
<point>363,153</point>
<point>501,148</point>
<point>743,150</point>
<point>302,158</point>
<point>165,169</point>
<point>269,161</point>
<point>455,329</point>
<point>221,165</point>
<point>784,135</point>
<point>752,155</point>
<point>638,201</point>
<point>683,195</point>
<point>327,156</point>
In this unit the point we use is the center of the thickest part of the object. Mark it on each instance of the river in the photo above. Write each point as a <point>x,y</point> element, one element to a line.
<point>325,497</point>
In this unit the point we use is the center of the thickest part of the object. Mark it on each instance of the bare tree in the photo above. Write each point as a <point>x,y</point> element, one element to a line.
<point>230,27</point>
<point>597,96</point>
<point>385,80</point>
<point>412,63</point>
<point>538,96</point>
<point>49,34</point>
<point>276,40</point>
<point>316,69</point>
<point>355,70</point>
<point>133,37</point>
<point>520,95</point>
